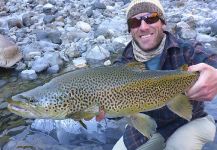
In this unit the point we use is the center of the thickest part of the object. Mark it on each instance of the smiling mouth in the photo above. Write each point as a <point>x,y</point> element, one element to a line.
<point>146,36</point>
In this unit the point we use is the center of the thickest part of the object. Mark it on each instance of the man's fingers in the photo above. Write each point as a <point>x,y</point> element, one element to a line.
<point>199,67</point>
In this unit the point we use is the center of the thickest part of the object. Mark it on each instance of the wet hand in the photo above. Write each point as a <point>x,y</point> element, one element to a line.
<point>101,116</point>
<point>205,89</point>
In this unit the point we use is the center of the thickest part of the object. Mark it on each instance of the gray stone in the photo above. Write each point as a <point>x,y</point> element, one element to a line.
<point>99,5</point>
<point>185,31</point>
<point>97,53</point>
<point>48,46</point>
<point>214,28</point>
<point>204,30</point>
<point>48,19</point>
<point>53,36</point>
<point>3,105</point>
<point>53,69</point>
<point>72,51</point>
<point>28,50</point>
<point>111,27</point>
<point>53,2</point>
<point>83,26</point>
<point>15,22</point>
<point>53,58</point>
<point>40,64</point>
<point>174,18</point>
<point>28,75</point>
<point>20,66</point>
<point>27,19</point>
<point>89,12</point>
<point>212,5</point>
<point>80,62</point>
<point>205,38</point>
<point>41,35</point>
<point>49,9</point>
<point>3,83</point>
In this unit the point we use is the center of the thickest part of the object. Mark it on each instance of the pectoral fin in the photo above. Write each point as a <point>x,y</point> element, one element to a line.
<point>86,114</point>
<point>143,123</point>
<point>181,106</point>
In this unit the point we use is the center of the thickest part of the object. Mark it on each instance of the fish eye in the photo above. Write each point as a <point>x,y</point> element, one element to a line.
<point>31,100</point>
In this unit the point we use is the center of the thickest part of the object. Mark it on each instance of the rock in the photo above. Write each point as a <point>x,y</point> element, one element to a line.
<point>20,66</point>
<point>99,5</point>
<point>74,35</point>
<point>204,30</point>
<point>107,63</point>
<point>100,39</point>
<point>53,69</point>
<point>83,26</point>
<point>48,19</point>
<point>89,12</point>
<point>32,55</point>
<point>214,28</point>
<point>2,83</point>
<point>53,58</point>
<point>174,18</point>
<point>80,62</point>
<point>15,22</point>
<point>97,53</point>
<point>27,19</point>
<point>49,9</point>
<point>3,105</point>
<point>40,64</point>
<point>185,31</point>
<point>16,130</point>
<point>31,50</point>
<point>9,52</point>
<point>205,38</point>
<point>28,75</point>
<point>53,36</point>
<point>2,5</point>
<point>72,51</point>
<point>111,27</point>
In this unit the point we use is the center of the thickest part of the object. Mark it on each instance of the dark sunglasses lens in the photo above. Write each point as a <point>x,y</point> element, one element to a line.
<point>134,22</point>
<point>151,20</point>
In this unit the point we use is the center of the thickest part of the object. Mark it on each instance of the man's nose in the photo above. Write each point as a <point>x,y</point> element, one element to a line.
<point>144,25</point>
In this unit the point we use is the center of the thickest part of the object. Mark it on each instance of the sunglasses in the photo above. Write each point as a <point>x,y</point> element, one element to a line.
<point>149,19</point>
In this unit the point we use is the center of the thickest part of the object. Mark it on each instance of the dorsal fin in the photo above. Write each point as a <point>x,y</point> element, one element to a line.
<point>137,66</point>
<point>184,67</point>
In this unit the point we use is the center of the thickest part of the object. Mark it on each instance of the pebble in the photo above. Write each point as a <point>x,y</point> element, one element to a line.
<point>28,75</point>
<point>80,62</point>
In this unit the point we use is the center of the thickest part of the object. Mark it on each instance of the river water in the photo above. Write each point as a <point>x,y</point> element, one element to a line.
<point>19,133</point>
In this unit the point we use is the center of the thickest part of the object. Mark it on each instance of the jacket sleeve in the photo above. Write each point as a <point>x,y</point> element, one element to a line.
<point>199,54</point>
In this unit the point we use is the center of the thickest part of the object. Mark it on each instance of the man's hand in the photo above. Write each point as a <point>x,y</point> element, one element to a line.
<point>205,88</point>
<point>101,116</point>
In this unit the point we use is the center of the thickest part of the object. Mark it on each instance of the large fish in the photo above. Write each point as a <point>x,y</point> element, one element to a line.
<point>118,90</point>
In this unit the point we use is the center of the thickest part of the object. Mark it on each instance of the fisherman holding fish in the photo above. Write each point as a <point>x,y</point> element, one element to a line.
<point>160,50</point>
<point>162,93</point>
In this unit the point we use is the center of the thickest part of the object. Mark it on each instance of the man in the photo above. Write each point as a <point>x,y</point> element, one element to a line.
<point>160,50</point>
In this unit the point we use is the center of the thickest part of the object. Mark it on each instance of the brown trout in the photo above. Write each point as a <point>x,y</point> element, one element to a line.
<point>118,90</point>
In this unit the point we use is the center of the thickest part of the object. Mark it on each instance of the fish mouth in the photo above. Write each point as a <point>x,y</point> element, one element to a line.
<point>21,111</point>
<point>21,106</point>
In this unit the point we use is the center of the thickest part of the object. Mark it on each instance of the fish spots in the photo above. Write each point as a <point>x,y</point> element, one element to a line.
<point>117,89</point>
